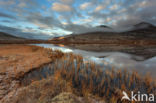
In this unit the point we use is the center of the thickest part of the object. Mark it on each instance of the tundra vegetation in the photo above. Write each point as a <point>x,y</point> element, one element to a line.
<point>73,80</point>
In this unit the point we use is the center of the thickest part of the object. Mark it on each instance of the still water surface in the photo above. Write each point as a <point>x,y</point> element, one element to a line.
<point>117,60</point>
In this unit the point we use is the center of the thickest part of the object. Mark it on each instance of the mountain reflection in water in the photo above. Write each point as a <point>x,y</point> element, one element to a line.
<point>117,60</point>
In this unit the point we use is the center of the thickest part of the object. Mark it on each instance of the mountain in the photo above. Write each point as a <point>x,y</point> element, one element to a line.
<point>140,41</point>
<point>143,25</point>
<point>6,36</point>
<point>144,28</point>
<point>142,32</point>
<point>104,26</point>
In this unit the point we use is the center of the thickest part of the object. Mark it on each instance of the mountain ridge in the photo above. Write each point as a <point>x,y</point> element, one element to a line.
<point>136,35</point>
<point>6,36</point>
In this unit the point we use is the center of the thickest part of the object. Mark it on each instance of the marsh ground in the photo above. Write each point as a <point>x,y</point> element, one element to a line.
<point>16,60</point>
<point>71,80</point>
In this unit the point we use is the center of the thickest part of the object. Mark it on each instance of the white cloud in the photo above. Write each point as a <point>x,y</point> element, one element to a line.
<point>64,23</point>
<point>41,25</point>
<point>99,8</point>
<point>85,5</point>
<point>114,7</point>
<point>143,4</point>
<point>61,7</point>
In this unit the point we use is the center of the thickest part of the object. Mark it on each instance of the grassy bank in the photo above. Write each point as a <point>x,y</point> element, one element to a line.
<point>17,60</point>
<point>22,58</point>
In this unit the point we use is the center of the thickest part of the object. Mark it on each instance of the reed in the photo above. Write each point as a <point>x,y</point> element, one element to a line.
<point>86,79</point>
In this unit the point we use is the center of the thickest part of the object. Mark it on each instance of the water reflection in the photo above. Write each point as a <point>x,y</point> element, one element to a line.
<point>38,74</point>
<point>116,60</point>
<point>62,48</point>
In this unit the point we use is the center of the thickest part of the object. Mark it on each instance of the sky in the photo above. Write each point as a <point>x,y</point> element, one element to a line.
<point>43,19</point>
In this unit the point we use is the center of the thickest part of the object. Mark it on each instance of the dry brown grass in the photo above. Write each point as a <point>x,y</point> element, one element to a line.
<point>87,80</point>
<point>84,80</point>
<point>18,59</point>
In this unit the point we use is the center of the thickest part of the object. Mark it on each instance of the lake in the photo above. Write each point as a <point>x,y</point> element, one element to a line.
<point>114,59</point>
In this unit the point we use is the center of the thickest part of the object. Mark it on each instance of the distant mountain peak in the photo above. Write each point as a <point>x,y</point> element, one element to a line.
<point>104,26</point>
<point>143,25</point>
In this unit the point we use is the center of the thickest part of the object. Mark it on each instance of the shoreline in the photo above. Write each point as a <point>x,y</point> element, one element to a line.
<point>127,42</point>
<point>63,78</point>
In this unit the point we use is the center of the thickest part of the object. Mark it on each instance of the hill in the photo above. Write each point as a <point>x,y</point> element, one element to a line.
<point>141,32</point>
<point>5,36</point>
<point>104,26</point>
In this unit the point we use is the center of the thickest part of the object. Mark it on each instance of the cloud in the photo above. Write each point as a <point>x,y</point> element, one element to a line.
<point>19,3</point>
<point>6,16</point>
<point>22,5</point>
<point>31,4</point>
<point>44,22</point>
<point>7,21</point>
<point>85,5</point>
<point>98,15</point>
<point>14,31</point>
<point>67,1</point>
<point>99,8</point>
<point>114,7</point>
<point>77,29</point>
<point>76,15</point>
<point>108,19</point>
<point>138,12</point>
<point>25,34</point>
<point>129,21</point>
<point>61,7</point>
<point>7,2</point>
